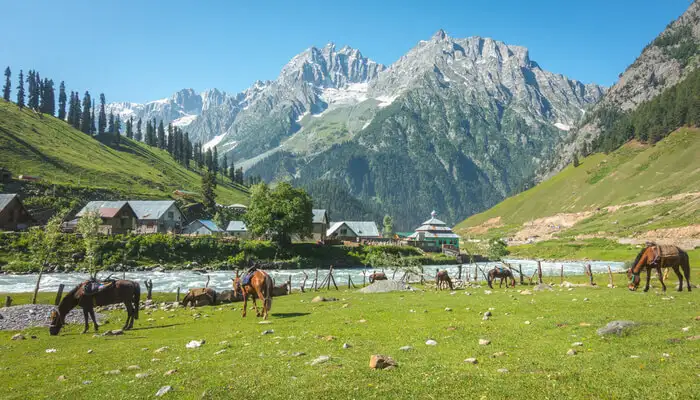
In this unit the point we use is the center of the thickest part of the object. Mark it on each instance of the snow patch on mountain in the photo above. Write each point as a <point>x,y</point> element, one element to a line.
<point>210,144</point>
<point>184,120</point>
<point>351,94</point>
<point>385,101</point>
<point>563,127</point>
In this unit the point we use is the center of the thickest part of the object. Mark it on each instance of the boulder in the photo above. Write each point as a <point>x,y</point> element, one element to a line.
<point>378,361</point>
<point>18,336</point>
<point>320,360</point>
<point>163,390</point>
<point>484,342</point>
<point>471,360</point>
<point>616,327</point>
<point>542,287</point>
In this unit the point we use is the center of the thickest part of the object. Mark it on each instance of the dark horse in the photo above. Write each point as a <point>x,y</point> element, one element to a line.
<point>260,285</point>
<point>502,273</point>
<point>442,280</point>
<point>655,256</point>
<point>120,291</point>
<point>377,276</point>
<point>200,297</point>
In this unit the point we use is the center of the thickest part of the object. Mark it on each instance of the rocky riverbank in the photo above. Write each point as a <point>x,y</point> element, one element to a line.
<point>17,318</point>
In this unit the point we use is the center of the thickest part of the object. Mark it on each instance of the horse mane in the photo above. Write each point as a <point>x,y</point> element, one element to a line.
<point>68,297</point>
<point>639,257</point>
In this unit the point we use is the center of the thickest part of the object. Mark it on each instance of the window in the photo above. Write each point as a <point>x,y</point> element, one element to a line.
<point>343,231</point>
<point>171,215</point>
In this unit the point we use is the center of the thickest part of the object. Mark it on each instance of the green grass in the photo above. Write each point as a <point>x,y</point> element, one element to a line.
<point>44,146</point>
<point>632,173</point>
<point>261,366</point>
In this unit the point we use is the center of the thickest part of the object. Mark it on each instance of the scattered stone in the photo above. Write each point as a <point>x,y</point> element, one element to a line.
<point>298,354</point>
<point>155,359</point>
<point>525,292</point>
<point>484,342</point>
<point>634,356</point>
<point>487,314</point>
<point>170,372</point>
<point>347,345</point>
<point>320,299</point>
<point>576,344</point>
<point>502,370</point>
<point>264,322</point>
<point>616,327</point>
<point>451,328</point>
<point>132,367</point>
<point>267,332</point>
<point>448,309</point>
<point>665,355</point>
<point>89,351</point>
<point>223,343</point>
<point>346,305</point>
<point>18,336</point>
<point>471,360</point>
<point>195,344</point>
<point>405,348</point>
<point>329,338</point>
<point>220,352</point>
<point>162,391</point>
<point>362,321</point>
<point>693,338</point>
<point>485,318</point>
<point>113,372</point>
<point>571,352</point>
<point>115,332</point>
<point>527,322</point>
<point>542,287</point>
<point>487,292</point>
<point>431,342</point>
<point>320,360</point>
<point>50,350</point>
<point>61,378</point>
<point>697,318</point>
<point>584,324</point>
<point>585,299</point>
<point>142,375</point>
<point>378,361</point>
<point>498,354</point>
<point>87,382</point>
<point>385,287</point>
<point>686,329</point>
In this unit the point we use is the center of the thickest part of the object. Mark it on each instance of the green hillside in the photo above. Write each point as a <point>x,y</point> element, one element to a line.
<point>634,173</point>
<point>44,146</point>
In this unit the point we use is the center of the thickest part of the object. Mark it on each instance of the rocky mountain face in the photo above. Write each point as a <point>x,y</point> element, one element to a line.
<point>454,125</point>
<point>664,62</point>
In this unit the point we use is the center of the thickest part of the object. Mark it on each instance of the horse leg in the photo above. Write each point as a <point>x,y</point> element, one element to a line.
<point>128,316</point>
<point>661,278</point>
<point>646,288</point>
<point>677,270</point>
<point>87,324</point>
<point>489,281</point>
<point>500,284</point>
<point>685,263</point>
<point>94,320</point>
<point>255,304</point>
<point>245,304</point>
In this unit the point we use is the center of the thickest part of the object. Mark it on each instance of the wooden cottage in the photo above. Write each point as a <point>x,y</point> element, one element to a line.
<point>237,229</point>
<point>433,235</point>
<point>354,231</point>
<point>320,225</point>
<point>160,216</point>
<point>202,227</point>
<point>117,216</point>
<point>13,215</point>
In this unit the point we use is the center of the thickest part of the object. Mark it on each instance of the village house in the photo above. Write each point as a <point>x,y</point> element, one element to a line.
<point>13,215</point>
<point>117,216</point>
<point>202,227</point>
<point>320,225</point>
<point>354,231</point>
<point>433,234</point>
<point>239,208</point>
<point>160,216</point>
<point>237,229</point>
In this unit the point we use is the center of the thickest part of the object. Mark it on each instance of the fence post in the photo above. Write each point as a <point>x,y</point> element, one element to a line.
<point>177,296</point>
<point>539,272</point>
<point>590,275</point>
<point>612,285</point>
<point>289,284</point>
<point>316,279</point>
<point>8,301</point>
<point>562,273</point>
<point>348,281</point>
<point>59,294</point>
<point>303,283</point>
<point>520,271</point>
<point>149,288</point>
<point>459,274</point>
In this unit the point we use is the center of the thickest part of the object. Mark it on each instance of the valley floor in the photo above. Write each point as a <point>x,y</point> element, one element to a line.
<point>529,335</point>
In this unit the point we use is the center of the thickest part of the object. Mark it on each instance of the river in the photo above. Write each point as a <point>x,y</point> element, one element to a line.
<point>221,280</point>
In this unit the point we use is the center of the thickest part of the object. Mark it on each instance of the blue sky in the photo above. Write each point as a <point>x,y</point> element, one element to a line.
<point>146,50</point>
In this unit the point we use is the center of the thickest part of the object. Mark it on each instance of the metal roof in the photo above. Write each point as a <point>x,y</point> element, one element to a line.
<point>434,228</point>
<point>434,221</point>
<point>5,199</point>
<point>107,209</point>
<point>440,235</point>
<point>236,226</point>
<point>359,228</point>
<point>209,224</point>
<point>319,216</point>
<point>150,209</point>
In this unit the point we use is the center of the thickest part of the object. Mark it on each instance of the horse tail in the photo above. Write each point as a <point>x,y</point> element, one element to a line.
<point>213,295</point>
<point>137,299</point>
<point>268,287</point>
<point>685,264</point>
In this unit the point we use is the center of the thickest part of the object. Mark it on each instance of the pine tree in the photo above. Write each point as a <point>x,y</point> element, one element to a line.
<point>130,127</point>
<point>208,159</point>
<point>215,162</point>
<point>48,100</point>
<point>170,140</point>
<point>208,195</point>
<point>32,100</point>
<point>117,130</point>
<point>110,123</point>
<point>224,166</point>
<point>93,127</point>
<point>102,121</point>
<point>77,114</point>
<point>188,150</point>
<point>7,88</point>
<point>62,101</point>
<point>139,134</point>
<point>86,116</point>
<point>161,136</point>
<point>576,162</point>
<point>239,175</point>
<point>20,91</point>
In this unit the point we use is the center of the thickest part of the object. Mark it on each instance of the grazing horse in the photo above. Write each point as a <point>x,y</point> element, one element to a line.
<point>119,291</point>
<point>655,256</point>
<point>200,297</point>
<point>442,280</point>
<point>377,276</point>
<point>502,273</point>
<point>260,285</point>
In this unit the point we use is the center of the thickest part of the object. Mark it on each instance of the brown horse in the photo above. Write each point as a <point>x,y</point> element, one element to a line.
<point>502,273</point>
<point>200,297</point>
<point>442,280</point>
<point>377,276</point>
<point>260,286</point>
<point>120,291</point>
<point>655,256</point>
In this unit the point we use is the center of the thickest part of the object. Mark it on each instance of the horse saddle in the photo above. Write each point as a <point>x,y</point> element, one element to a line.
<point>93,287</point>
<point>501,270</point>
<point>248,276</point>
<point>664,251</point>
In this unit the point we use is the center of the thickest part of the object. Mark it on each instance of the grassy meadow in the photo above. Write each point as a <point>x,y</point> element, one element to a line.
<point>534,332</point>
